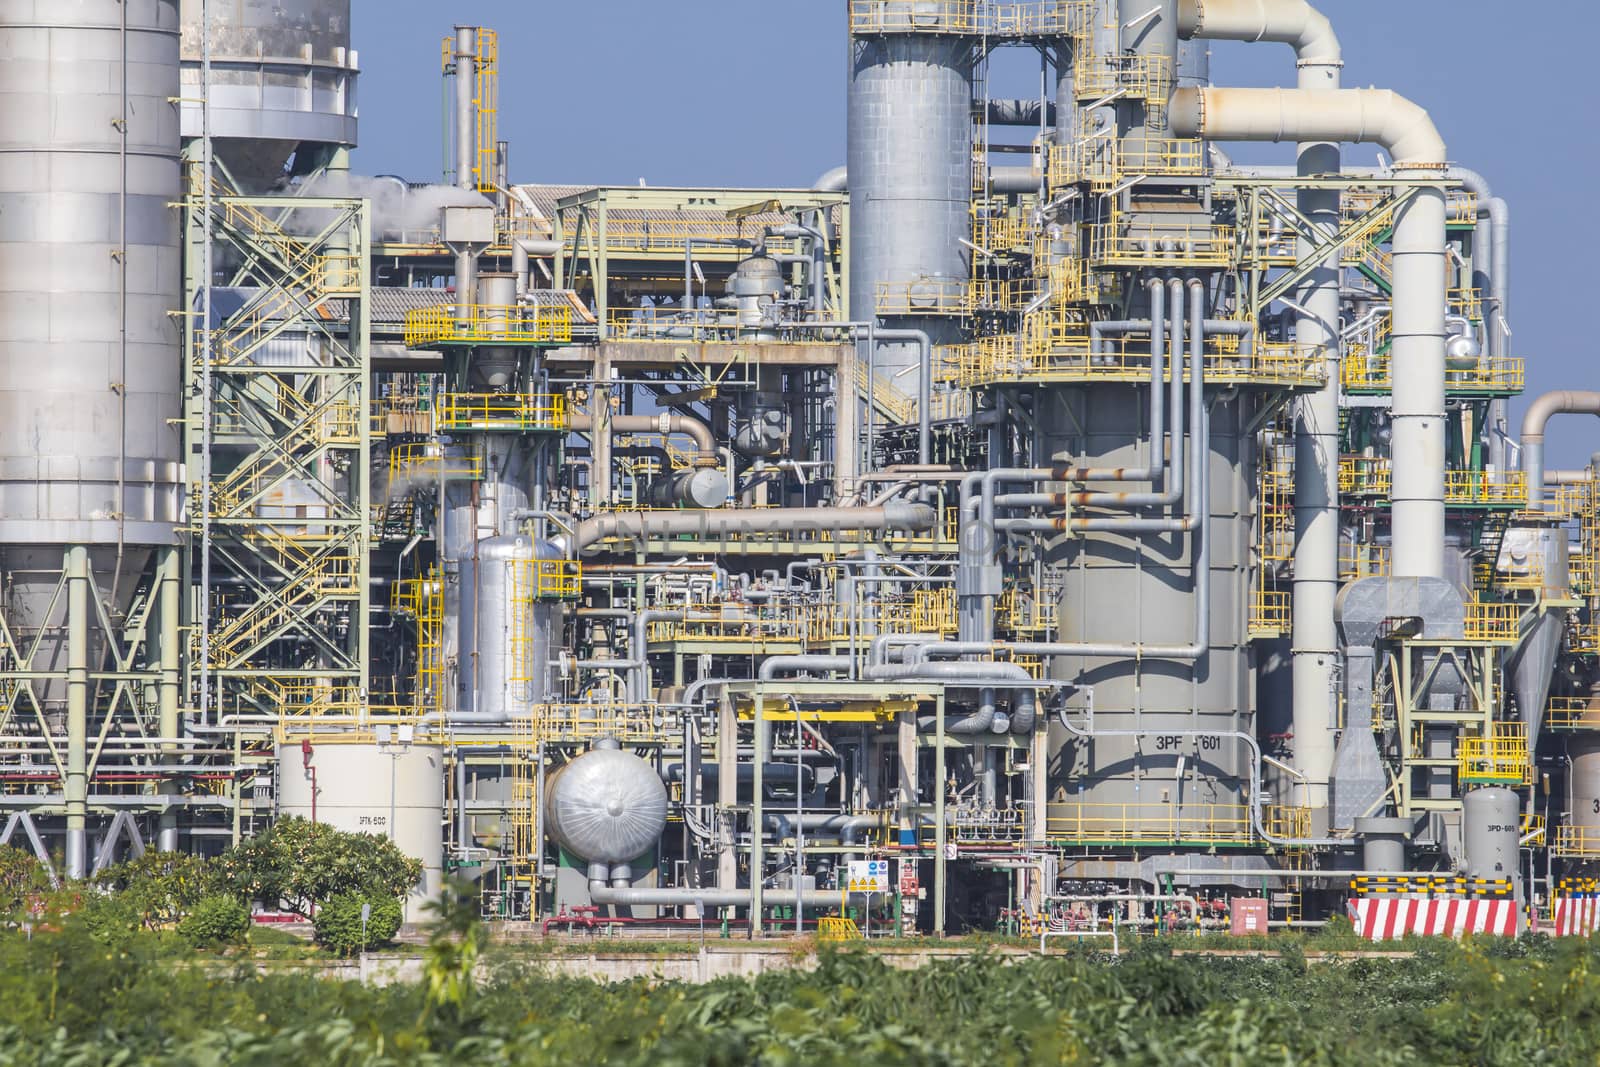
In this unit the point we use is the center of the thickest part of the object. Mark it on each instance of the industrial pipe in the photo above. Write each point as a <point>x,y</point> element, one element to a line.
<point>705,442</point>
<point>895,515</point>
<point>522,251</point>
<point>1418,351</point>
<point>1291,22</point>
<point>1539,413</point>
<point>924,386</point>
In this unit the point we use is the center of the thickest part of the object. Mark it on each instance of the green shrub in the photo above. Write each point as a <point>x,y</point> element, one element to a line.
<point>110,920</point>
<point>22,877</point>
<point>215,920</point>
<point>338,923</point>
<point>161,886</point>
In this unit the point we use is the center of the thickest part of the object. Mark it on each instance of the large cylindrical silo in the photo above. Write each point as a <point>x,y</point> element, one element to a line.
<point>283,78</point>
<point>90,278</point>
<point>911,168</point>
<point>393,790</point>
<point>1141,589</point>
<point>1583,783</point>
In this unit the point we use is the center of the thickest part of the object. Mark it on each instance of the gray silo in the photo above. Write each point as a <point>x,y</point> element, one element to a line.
<point>283,81</point>
<point>911,168</point>
<point>89,357</point>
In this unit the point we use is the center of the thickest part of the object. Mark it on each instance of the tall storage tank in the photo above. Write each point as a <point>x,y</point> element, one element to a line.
<point>1491,821</point>
<point>393,790</point>
<point>90,278</point>
<point>1140,589</point>
<point>283,78</point>
<point>910,163</point>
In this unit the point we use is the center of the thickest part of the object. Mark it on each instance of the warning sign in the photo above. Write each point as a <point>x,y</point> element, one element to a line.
<point>867,876</point>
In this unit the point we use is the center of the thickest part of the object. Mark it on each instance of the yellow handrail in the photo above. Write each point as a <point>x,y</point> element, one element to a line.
<point>487,324</point>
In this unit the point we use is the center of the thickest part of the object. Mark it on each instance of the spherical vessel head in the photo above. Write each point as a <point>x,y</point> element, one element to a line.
<point>607,806</point>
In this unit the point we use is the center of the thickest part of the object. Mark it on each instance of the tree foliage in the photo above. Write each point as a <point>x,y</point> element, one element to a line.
<point>214,921</point>
<point>161,887</point>
<point>22,877</point>
<point>300,864</point>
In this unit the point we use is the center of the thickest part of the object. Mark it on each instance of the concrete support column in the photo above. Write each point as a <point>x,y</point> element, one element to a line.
<point>168,653</point>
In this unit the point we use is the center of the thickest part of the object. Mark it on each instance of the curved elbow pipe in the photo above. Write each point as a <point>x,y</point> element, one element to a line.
<point>1292,22</point>
<point>836,180</point>
<point>1543,408</point>
<point>772,666</point>
<point>1369,116</point>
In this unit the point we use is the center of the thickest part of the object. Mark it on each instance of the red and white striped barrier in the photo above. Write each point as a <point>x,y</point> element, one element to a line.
<point>1385,917</point>
<point>1577,916</point>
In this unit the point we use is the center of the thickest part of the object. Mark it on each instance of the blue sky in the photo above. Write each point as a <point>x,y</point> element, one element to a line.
<point>751,92</point>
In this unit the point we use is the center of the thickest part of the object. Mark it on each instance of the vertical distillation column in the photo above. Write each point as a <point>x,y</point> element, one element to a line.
<point>89,361</point>
<point>1139,588</point>
<point>910,164</point>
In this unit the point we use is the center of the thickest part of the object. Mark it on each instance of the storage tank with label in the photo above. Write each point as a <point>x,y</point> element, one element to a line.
<point>1491,821</point>
<point>394,790</point>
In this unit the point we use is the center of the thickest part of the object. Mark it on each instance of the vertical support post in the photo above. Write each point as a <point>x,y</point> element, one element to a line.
<point>846,426</point>
<point>757,853</point>
<point>906,736</point>
<point>727,794</point>
<point>600,436</point>
<point>169,614</point>
<point>77,783</point>
<point>939,874</point>
<point>1039,783</point>
<point>361,329</point>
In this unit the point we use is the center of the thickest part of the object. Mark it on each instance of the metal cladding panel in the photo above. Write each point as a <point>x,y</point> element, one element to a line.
<point>89,380</point>
<point>282,73</point>
<point>1125,588</point>
<point>394,790</point>
<point>910,161</point>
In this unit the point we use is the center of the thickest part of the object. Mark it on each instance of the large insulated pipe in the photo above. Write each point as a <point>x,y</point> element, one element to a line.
<point>894,515</point>
<point>1546,405</point>
<point>705,443</point>
<point>1315,640</point>
<point>1405,130</point>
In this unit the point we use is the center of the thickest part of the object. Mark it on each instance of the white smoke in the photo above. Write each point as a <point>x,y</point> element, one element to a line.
<point>399,213</point>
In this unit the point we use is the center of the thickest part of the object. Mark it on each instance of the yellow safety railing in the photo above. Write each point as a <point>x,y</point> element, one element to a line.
<point>971,18</point>
<point>551,579</point>
<point>1122,244</point>
<point>1002,232</point>
<point>927,296</point>
<point>1103,161</point>
<point>483,324</point>
<point>1130,824</point>
<point>1021,609</point>
<point>1586,638</point>
<point>1466,302</point>
<point>1270,613</point>
<point>1284,820</point>
<point>418,461</point>
<point>1532,829</point>
<point>1363,561</point>
<point>1137,77</point>
<point>1501,757</point>
<point>1500,374</point>
<point>1572,713</point>
<point>516,412</point>
<point>717,623</point>
<point>1492,622</point>
<point>837,928</point>
<point>1486,487</point>
<point>583,722</point>
<point>1576,841</point>
<point>1056,348</point>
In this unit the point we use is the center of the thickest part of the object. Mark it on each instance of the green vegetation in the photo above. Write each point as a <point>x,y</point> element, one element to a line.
<point>338,923</point>
<point>71,999</point>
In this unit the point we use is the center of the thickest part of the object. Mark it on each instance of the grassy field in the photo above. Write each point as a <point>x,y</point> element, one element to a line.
<point>74,998</point>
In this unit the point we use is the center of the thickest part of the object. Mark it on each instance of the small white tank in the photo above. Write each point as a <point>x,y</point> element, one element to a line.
<point>394,790</point>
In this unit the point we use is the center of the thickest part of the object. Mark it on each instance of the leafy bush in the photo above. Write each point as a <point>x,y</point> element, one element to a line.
<point>301,864</point>
<point>215,920</point>
<point>338,923</point>
<point>161,887</point>
<point>22,877</point>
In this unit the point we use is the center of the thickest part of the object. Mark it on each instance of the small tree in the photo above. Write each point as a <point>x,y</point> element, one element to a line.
<point>301,865</point>
<point>456,939</point>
